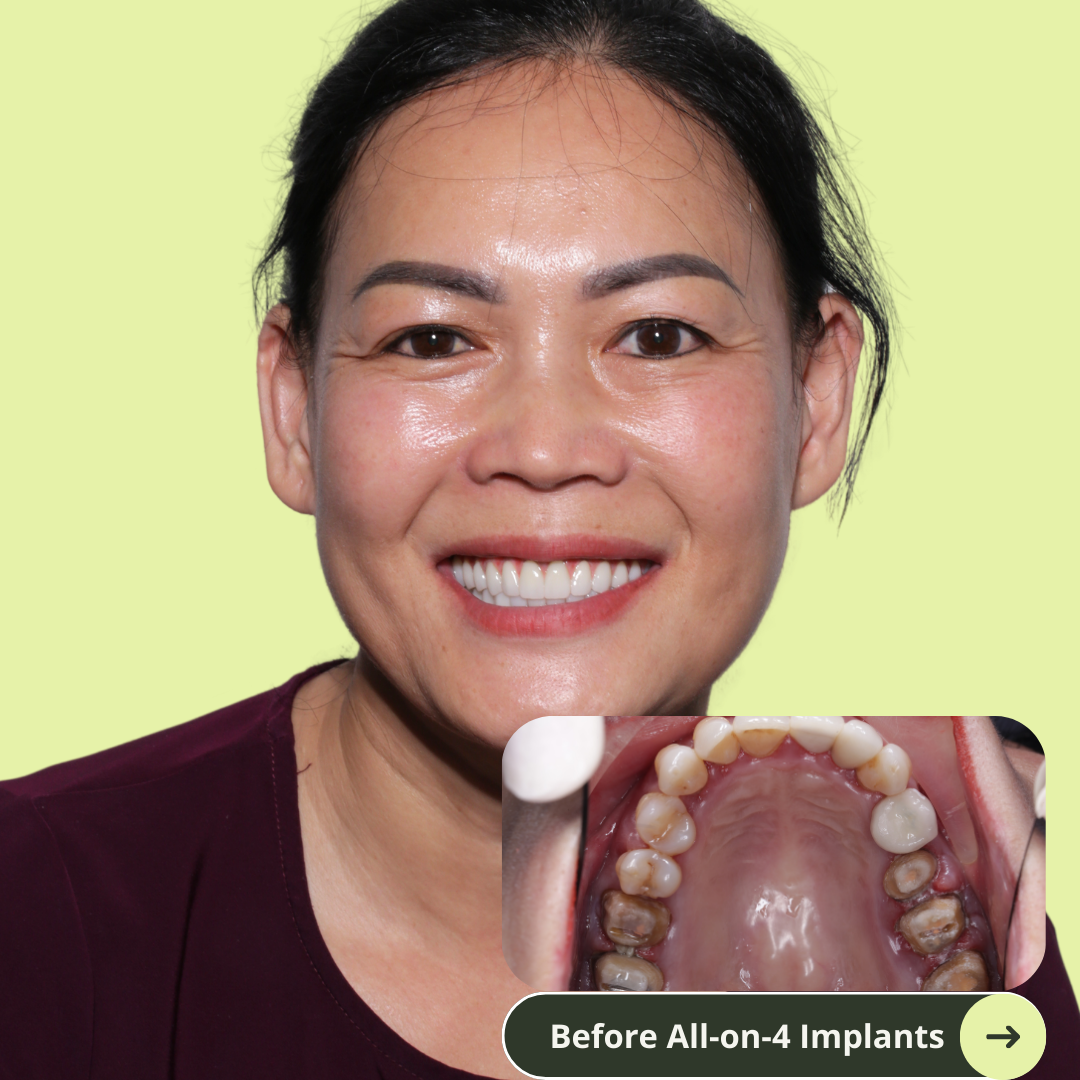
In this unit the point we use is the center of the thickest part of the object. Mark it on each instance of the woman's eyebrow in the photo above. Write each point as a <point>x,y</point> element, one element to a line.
<point>453,278</point>
<point>639,271</point>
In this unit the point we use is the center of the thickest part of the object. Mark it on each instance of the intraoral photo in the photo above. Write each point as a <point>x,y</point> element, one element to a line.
<point>773,853</point>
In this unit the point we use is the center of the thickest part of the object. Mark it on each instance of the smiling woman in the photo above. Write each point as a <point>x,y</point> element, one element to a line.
<point>563,315</point>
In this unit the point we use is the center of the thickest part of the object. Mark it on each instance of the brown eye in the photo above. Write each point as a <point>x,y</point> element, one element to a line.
<point>659,340</point>
<point>430,344</point>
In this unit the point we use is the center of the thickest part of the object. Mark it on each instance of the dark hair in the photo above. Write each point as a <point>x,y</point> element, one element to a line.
<point>676,49</point>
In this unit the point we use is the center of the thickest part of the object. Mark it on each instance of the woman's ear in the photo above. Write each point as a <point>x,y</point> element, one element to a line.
<point>828,389</point>
<point>283,405</point>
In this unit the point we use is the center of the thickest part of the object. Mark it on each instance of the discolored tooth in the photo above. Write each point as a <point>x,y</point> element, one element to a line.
<point>556,581</point>
<point>679,771</point>
<point>855,745</point>
<point>617,972</point>
<point>601,577</point>
<point>933,925</point>
<point>816,734</point>
<point>581,580</point>
<point>634,920</point>
<point>492,577</point>
<point>531,579</point>
<point>467,574</point>
<point>619,576</point>
<point>759,736</point>
<point>644,872</point>
<point>714,740</point>
<point>904,822</point>
<point>634,572</point>
<point>511,578</point>
<point>964,973</point>
<point>458,572</point>
<point>909,874</point>
<point>479,580</point>
<point>887,772</point>
<point>663,823</point>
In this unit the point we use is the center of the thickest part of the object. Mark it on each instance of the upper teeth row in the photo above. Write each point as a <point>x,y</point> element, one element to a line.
<point>510,583</point>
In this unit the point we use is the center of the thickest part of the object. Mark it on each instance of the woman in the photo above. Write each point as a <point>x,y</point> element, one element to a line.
<point>560,284</point>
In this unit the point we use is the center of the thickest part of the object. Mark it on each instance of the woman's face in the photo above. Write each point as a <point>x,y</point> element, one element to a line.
<point>554,329</point>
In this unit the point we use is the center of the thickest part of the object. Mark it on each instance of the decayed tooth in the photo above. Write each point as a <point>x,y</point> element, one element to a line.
<point>644,872</point>
<point>556,581</point>
<point>816,734</point>
<point>492,577</point>
<point>601,577</point>
<point>467,574</point>
<point>478,576</point>
<point>888,771</point>
<point>679,771</point>
<point>963,973</point>
<point>619,576</point>
<point>511,578</point>
<point>933,925</point>
<point>617,972</point>
<point>759,736</point>
<point>909,874</point>
<point>663,823</point>
<point>904,822</point>
<point>581,580</point>
<point>634,920</point>
<point>531,579</point>
<point>714,740</point>
<point>855,745</point>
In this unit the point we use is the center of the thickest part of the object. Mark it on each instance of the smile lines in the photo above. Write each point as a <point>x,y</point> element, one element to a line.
<point>524,583</point>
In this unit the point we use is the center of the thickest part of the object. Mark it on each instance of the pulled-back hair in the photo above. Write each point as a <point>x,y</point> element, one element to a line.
<point>679,51</point>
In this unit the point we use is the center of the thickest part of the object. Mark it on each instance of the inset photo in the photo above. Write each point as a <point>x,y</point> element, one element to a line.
<point>774,853</point>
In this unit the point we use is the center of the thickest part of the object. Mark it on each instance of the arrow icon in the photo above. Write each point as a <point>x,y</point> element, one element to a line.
<point>1012,1036</point>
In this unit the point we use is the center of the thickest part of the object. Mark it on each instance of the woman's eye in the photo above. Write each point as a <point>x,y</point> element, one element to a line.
<point>659,340</point>
<point>430,343</point>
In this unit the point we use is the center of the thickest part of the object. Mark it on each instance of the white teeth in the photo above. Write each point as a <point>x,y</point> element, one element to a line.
<point>479,581</point>
<point>856,744</point>
<point>714,740</point>
<point>459,573</point>
<point>466,571</point>
<point>581,581</point>
<point>635,571</point>
<point>487,597</point>
<point>511,578</point>
<point>663,823</point>
<point>601,578</point>
<point>904,822</point>
<point>502,600</point>
<point>556,581</point>
<point>619,576</point>
<point>816,734</point>
<point>679,771</point>
<point>493,577</point>
<point>643,872</point>
<point>759,736</point>
<point>516,601</point>
<point>532,580</point>
<point>888,771</point>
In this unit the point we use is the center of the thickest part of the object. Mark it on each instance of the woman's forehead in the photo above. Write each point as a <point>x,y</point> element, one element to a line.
<point>582,160</point>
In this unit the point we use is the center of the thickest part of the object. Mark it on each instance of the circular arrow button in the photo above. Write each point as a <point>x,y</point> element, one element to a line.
<point>1003,1036</point>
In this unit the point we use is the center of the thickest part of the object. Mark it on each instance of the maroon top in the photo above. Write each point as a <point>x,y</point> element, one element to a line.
<point>155,921</point>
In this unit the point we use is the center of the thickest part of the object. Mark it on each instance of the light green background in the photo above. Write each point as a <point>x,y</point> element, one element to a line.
<point>150,575</point>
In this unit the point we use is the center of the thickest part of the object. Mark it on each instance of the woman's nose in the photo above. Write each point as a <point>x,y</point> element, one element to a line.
<point>546,425</point>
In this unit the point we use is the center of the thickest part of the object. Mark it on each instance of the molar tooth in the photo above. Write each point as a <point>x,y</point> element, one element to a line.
<point>458,572</point>
<point>634,572</point>
<point>466,573</point>
<point>856,744</point>
<point>644,872</point>
<point>492,577</point>
<point>714,740</point>
<point>888,771</point>
<point>759,736</point>
<point>581,580</point>
<point>963,973</point>
<point>531,580</point>
<point>619,576</point>
<point>634,920</point>
<point>510,578</point>
<point>904,822</point>
<point>679,771</point>
<point>663,823</point>
<point>616,972</point>
<point>502,600</point>
<point>479,581</point>
<point>556,582</point>
<point>909,874</point>
<point>933,925</point>
<point>601,577</point>
<point>816,734</point>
